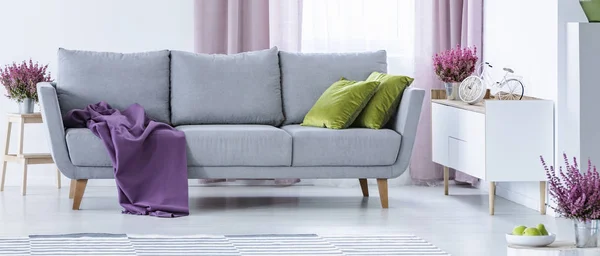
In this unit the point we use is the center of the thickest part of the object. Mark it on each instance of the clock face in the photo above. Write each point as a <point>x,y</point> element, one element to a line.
<point>471,90</point>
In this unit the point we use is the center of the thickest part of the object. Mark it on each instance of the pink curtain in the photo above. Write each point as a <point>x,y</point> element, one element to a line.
<point>234,26</point>
<point>440,25</point>
<point>231,26</point>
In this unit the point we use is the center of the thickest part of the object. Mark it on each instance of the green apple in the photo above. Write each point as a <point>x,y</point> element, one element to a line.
<point>542,229</point>
<point>518,231</point>
<point>532,232</point>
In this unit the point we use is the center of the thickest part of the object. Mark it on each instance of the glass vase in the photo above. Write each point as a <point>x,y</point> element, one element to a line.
<point>451,91</point>
<point>586,233</point>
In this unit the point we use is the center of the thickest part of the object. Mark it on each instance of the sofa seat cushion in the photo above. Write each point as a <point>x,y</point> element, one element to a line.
<point>237,145</point>
<point>207,145</point>
<point>239,88</point>
<point>348,147</point>
<point>85,149</point>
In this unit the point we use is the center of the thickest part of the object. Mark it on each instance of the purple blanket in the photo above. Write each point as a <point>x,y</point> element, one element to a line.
<point>149,158</point>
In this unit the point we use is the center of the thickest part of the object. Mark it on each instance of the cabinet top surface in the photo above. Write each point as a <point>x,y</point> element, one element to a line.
<point>438,96</point>
<point>479,107</point>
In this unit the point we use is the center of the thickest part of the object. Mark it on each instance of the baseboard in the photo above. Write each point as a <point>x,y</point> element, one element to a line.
<point>519,198</point>
<point>524,199</point>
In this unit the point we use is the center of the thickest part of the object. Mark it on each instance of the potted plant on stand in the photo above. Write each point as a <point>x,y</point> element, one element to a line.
<point>577,197</point>
<point>20,81</point>
<point>453,66</point>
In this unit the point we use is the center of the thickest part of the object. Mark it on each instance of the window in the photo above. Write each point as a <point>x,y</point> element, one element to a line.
<point>361,25</point>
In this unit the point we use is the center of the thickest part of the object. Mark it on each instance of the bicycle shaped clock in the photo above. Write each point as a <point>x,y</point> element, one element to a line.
<point>473,88</point>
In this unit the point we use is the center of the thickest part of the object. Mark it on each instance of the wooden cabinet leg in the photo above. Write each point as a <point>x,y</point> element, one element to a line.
<point>24,186</point>
<point>492,196</point>
<point>446,179</point>
<point>79,190</point>
<point>543,197</point>
<point>364,187</point>
<point>72,188</point>
<point>383,192</point>
<point>6,146</point>
<point>58,181</point>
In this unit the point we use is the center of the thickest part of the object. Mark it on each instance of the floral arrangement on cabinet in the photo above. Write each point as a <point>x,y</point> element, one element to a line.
<point>577,197</point>
<point>453,66</point>
<point>20,81</point>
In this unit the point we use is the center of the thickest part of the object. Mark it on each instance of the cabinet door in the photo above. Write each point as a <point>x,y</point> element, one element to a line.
<point>442,120</point>
<point>471,155</point>
<point>517,134</point>
<point>458,139</point>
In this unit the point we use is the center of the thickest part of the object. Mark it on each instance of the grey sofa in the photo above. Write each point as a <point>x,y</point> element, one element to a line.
<point>240,114</point>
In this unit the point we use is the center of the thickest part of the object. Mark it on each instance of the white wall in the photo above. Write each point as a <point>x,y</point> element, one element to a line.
<point>37,28</point>
<point>530,37</point>
<point>522,35</point>
<point>567,122</point>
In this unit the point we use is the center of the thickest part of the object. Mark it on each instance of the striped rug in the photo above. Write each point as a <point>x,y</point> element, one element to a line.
<point>204,245</point>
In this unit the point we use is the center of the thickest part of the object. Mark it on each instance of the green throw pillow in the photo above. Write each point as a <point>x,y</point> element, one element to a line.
<point>340,104</point>
<point>384,103</point>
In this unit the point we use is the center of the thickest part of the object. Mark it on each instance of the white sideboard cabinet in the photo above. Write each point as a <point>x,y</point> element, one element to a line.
<point>495,140</point>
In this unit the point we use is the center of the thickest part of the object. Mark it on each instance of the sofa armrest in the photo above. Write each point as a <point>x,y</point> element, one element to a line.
<point>55,130</point>
<point>405,123</point>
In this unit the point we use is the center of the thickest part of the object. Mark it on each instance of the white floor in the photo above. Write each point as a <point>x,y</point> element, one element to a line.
<point>458,223</point>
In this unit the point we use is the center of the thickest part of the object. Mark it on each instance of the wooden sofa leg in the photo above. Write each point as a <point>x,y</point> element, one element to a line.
<point>383,192</point>
<point>364,187</point>
<point>78,194</point>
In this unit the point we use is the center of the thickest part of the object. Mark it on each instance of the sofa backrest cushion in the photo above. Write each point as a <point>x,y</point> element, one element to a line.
<point>305,76</point>
<point>86,77</point>
<point>241,88</point>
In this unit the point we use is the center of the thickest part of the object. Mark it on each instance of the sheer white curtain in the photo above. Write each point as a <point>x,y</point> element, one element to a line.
<point>358,26</point>
<point>285,24</point>
<point>362,25</point>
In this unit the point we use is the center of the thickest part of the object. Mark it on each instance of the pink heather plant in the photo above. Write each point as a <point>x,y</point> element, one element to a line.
<point>456,64</point>
<point>576,194</point>
<point>20,80</point>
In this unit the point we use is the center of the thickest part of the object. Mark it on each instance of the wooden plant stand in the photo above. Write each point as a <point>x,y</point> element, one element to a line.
<point>23,158</point>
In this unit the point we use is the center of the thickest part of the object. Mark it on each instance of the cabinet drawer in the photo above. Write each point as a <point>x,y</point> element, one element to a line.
<point>458,139</point>
<point>466,157</point>
<point>458,154</point>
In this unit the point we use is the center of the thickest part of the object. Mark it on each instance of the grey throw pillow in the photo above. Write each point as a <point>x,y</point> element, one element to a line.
<point>121,79</point>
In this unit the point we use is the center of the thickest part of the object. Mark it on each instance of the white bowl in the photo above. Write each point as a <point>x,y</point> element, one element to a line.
<point>532,241</point>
